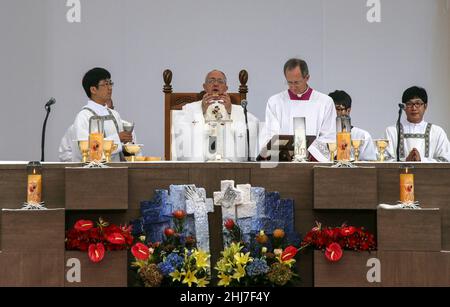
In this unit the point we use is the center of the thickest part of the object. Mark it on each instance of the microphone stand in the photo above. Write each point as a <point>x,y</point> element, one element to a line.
<point>48,108</point>
<point>248,132</point>
<point>401,107</point>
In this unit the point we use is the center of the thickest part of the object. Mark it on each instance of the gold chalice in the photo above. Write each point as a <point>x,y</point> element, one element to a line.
<point>381,144</point>
<point>356,144</point>
<point>84,148</point>
<point>107,149</point>
<point>332,147</point>
<point>132,149</point>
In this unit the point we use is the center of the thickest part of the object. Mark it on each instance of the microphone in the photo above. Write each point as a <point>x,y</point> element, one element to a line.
<point>52,101</point>
<point>244,104</point>
<point>47,106</point>
<point>401,107</point>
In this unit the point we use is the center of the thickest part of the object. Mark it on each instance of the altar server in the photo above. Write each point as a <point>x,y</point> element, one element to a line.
<point>419,140</point>
<point>300,100</point>
<point>343,104</point>
<point>98,87</point>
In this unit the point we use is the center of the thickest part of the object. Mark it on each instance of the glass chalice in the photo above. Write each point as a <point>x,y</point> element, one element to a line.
<point>381,144</point>
<point>84,148</point>
<point>332,147</point>
<point>107,149</point>
<point>356,144</point>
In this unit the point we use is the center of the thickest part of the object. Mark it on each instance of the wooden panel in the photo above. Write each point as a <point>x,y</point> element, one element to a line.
<point>345,188</point>
<point>350,271</point>
<point>32,269</point>
<point>13,186</point>
<point>110,272</point>
<point>414,269</point>
<point>409,230</point>
<point>290,180</point>
<point>96,189</point>
<point>36,230</point>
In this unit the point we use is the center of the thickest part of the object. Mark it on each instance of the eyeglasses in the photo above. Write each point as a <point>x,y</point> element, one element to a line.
<point>340,109</point>
<point>107,83</point>
<point>416,104</point>
<point>219,81</point>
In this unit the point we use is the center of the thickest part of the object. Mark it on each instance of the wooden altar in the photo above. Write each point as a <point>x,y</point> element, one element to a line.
<point>412,245</point>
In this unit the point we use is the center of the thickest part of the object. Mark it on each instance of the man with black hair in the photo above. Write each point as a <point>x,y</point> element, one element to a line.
<point>419,140</point>
<point>98,87</point>
<point>343,104</point>
<point>300,100</point>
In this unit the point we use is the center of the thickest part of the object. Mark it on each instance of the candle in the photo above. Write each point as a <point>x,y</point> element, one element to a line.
<point>34,188</point>
<point>95,146</point>
<point>407,187</point>
<point>343,146</point>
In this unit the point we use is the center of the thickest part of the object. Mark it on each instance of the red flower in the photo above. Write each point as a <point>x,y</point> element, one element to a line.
<point>169,232</point>
<point>83,225</point>
<point>333,252</point>
<point>179,214</point>
<point>289,253</point>
<point>348,231</point>
<point>140,251</point>
<point>116,238</point>
<point>229,224</point>
<point>96,252</point>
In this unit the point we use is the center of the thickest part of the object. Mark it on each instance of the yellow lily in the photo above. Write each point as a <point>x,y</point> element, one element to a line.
<point>176,275</point>
<point>239,272</point>
<point>201,259</point>
<point>224,280</point>
<point>190,278</point>
<point>242,258</point>
<point>202,282</point>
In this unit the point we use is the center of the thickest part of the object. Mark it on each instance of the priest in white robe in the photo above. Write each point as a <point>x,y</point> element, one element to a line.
<point>419,140</point>
<point>98,87</point>
<point>191,134</point>
<point>343,104</point>
<point>300,100</point>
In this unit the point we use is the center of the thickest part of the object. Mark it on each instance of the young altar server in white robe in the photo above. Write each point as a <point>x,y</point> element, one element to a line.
<point>98,87</point>
<point>300,100</point>
<point>191,133</point>
<point>343,104</point>
<point>419,140</point>
<point>66,149</point>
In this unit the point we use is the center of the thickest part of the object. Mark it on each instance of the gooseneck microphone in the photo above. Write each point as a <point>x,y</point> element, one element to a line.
<point>244,104</point>
<point>401,107</point>
<point>47,107</point>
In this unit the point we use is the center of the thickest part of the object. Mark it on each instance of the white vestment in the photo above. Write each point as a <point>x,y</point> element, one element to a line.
<point>430,140</point>
<point>81,128</point>
<point>367,150</point>
<point>65,151</point>
<point>191,134</point>
<point>319,112</point>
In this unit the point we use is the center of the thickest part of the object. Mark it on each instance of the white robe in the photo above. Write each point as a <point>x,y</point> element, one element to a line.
<point>65,151</point>
<point>319,112</point>
<point>81,129</point>
<point>367,150</point>
<point>439,146</point>
<point>190,135</point>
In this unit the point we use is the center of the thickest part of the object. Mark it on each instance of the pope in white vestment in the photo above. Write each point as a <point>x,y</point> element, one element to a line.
<point>419,140</point>
<point>192,136</point>
<point>302,101</point>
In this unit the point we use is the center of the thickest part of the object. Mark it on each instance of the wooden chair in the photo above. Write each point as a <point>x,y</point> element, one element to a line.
<point>176,101</point>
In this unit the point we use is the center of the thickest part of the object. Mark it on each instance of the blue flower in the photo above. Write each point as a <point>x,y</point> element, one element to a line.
<point>166,268</point>
<point>257,267</point>
<point>174,260</point>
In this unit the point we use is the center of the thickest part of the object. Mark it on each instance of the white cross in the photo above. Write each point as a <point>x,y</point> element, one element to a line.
<point>247,207</point>
<point>228,198</point>
<point>198,205</point>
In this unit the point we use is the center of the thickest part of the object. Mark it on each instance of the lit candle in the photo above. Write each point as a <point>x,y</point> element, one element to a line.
<point>34,188</point>
<point>343,145</point>
<point>407,187</point>
<point>95,146</point>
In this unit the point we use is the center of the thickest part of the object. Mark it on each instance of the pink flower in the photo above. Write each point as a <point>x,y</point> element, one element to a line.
<point>333,252</point>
